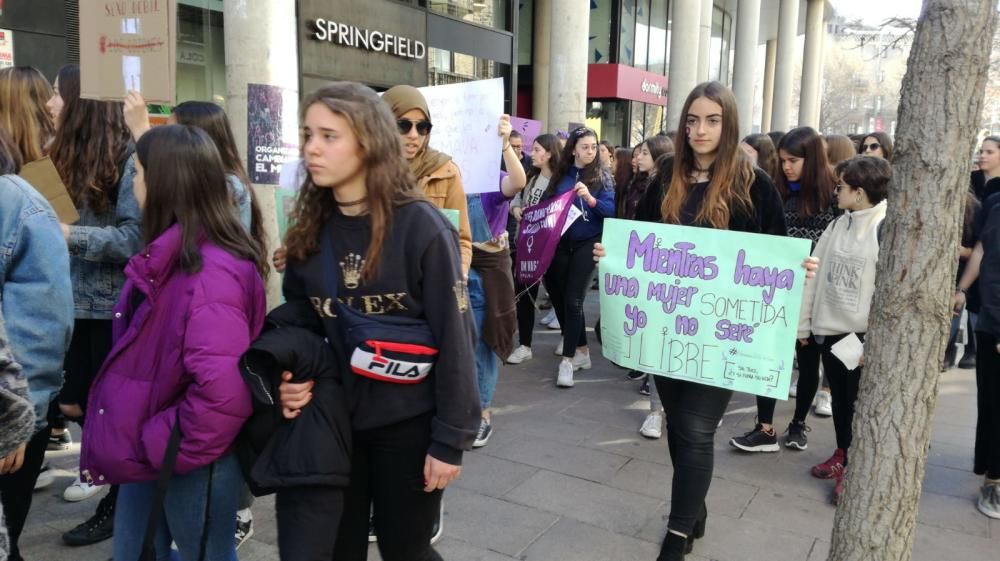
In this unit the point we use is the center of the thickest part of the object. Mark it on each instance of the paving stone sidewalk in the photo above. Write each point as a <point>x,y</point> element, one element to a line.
<point>567,477</point>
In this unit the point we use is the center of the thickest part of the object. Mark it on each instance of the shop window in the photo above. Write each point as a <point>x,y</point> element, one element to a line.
<point>626,32</point>
<point>599,46</point>
<point>715,64</point>
<point>446,67</point>
<point>657,37</point>
<point>641,51</point>
<point>201,57</point>
<point>525,31</point>
<point>608,119</point>
<point>488,13</point>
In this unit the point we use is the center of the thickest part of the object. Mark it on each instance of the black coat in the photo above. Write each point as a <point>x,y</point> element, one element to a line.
<point>315,447</point>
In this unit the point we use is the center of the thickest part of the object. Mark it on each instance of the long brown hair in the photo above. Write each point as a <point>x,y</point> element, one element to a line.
<point>550,143</point>
<point>210,118</point>
<point>817,179</point>
<point>767,154</point>
<point>89,148</point>
<point>884,140</point>
<point>590,175</point>
<point>731,174</point>
<point>839,148</point>
<point>186,185</point>
<point>389,181</point>
<point>23,94</point>
<point>10,158</point>
<point>623,167</point>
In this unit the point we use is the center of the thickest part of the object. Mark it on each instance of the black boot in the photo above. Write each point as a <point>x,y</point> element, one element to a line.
<point>673,548</point>
<point>698,531</point>
<point>98,527</point>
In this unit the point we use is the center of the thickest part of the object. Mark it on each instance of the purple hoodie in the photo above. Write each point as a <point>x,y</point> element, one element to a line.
<point>178,339</point>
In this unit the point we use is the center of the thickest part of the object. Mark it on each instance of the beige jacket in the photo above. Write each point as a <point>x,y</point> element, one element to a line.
<point>444,188</point>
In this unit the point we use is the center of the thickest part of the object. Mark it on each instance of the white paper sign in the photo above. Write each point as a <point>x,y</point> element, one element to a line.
<point>465,118</point>
<point>574,214</point>
<point>6,47</point>
<point>849,351</point>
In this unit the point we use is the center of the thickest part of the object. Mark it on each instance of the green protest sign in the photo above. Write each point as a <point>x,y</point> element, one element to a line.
<point>708,306</point>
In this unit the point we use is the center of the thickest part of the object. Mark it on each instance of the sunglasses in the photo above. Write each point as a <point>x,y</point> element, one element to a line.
<point>405,125</point>
<point>870,147</point>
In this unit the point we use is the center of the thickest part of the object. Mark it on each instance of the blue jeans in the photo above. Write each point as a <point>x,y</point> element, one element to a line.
<point>486,359</point>
<point>183,519</point>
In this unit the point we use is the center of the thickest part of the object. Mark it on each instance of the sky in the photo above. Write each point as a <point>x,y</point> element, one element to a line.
<point>875,12</point>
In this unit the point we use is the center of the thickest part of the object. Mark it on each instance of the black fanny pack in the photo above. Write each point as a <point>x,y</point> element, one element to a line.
<point>394,349</point>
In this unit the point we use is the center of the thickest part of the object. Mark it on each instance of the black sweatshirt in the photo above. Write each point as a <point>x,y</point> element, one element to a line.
<point>766,217</point>
<point>420,277</point>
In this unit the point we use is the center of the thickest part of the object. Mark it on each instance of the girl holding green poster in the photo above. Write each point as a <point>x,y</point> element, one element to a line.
<point>713,184</point>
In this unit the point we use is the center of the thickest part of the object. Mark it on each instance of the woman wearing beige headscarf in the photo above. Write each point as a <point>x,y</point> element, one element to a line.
<point>437,175</point>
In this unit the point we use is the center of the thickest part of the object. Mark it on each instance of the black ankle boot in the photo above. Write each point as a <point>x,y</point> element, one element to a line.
<point>673,548</point>
<point>698,531</point>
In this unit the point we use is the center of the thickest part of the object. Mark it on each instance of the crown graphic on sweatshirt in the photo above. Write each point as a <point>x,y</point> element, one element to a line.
<point>461,289</point>
<point>351,269</point>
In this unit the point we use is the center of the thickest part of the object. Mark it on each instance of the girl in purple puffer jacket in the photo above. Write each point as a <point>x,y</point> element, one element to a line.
<point>192,303</point>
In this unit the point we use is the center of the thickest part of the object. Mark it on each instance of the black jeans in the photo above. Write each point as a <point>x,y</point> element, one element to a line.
<point>16,489</point>
<point>308,518</point>
<point>387,474</point>
<point>808,357</point>
<point>88,348</point>
<point>525,312</point>
<point>567,281</point>
<point>844,385</point>
<point>988,401</point>
<point>692,412</point>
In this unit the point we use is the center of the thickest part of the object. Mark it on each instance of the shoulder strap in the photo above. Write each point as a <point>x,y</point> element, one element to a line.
<point>167,470</point>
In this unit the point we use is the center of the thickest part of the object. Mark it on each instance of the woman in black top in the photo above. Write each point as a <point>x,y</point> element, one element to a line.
<point>806,185</point>
<point>713,185</point>
<point>396,255</point>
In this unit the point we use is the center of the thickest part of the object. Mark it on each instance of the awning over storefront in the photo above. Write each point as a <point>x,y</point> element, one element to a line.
<point>618,81</point>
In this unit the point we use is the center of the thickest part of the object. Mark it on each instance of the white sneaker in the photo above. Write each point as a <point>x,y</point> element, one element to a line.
<point>793,389</point>
<point>565,379</point>
<point>554,324</point>
<point>548,318</point>
<point>652,427</point>
<point>45,478</point>
<point>559,348</point>
<point>519,355</point>
<point>823,404</point>
<point>581,361</point>
<point>80,491</point>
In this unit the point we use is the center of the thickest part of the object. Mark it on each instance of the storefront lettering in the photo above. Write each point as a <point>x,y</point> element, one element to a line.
<point>652,88</point>
<point>131,8</point>
<point>376,41</point>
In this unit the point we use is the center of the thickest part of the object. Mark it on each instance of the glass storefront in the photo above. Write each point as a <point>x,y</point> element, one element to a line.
<point>201,55</point>
<point>446,67</point>
<point>625,123</point>
<point>488,13</point>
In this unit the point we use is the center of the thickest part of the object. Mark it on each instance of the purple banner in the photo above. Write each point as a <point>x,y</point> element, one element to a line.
<point>529,129</point>
<point>538,235</point>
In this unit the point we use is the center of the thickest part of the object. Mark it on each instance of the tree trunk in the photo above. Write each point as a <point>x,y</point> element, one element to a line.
<point>942,95</point>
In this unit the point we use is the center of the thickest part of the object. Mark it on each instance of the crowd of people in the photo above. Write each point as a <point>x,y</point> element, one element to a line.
<point>145,322</point>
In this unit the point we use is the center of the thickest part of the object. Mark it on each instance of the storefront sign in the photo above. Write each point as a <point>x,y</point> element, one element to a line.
<point>380,43</point>
<point>272,131</point>
<point>6,48</point>
<point>707,306</point>
<point>128,46</point>
<point>375,41</point>
<point>618,81</point>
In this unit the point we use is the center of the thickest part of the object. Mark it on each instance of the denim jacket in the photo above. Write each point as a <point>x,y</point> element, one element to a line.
<point>35,292</point>
<point>99,247</point>
<point>241,193</point>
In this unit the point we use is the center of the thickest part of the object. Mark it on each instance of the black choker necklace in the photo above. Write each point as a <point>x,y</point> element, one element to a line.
<point>352,203</point>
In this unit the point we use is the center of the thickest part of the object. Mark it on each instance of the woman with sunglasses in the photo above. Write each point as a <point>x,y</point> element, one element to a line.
<point>806,185</point>
<point>572,267</point>
<point>876,144</point>
<point>438,177</point>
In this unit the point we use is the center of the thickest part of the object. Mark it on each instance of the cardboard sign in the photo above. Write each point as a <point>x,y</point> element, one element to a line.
<point>465,118</point>
<point>6,47</point>
<point>128,46</point>
<point>43,176</point>
<point>707,306</point>
<point>529,129</point>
